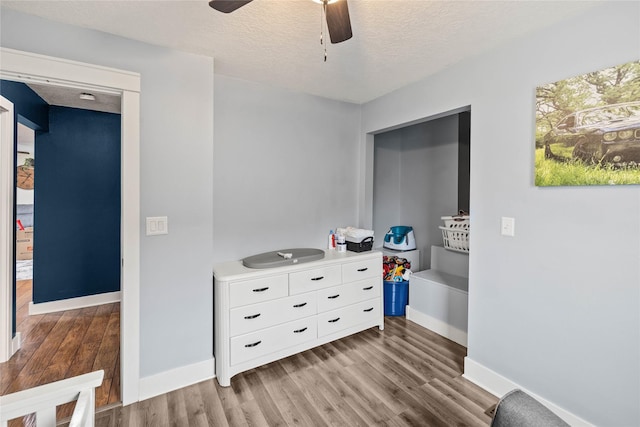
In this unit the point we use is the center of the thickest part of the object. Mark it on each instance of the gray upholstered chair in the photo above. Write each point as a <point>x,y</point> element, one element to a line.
<point>518,409</point>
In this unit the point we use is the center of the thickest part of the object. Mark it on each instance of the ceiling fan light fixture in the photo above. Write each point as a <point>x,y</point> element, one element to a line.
<point>323,1</point>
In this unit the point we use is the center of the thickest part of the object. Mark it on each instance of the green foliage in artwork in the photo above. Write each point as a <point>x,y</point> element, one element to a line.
<point>574,172</point>
<point>610,86</point>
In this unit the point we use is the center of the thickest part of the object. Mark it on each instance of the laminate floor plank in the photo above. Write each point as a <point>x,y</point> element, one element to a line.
<point>229,398</point>
<point>377,383</point>
<point>403,376</point>
<point>373,412</point>
<point>254,415</point>
<point>291,391</point>
<point>444,406</point>
<point>157,412</point>
<point>327,355</point>
<point>43,325</point>
<point>462,400</point>
<point>350,414</point>
<point>272,377</point>
<point>448,397</point>
<point>195,406</point>
<point>108,350</point>
<point>411,399</point>
<point>61,345</point>
<point>212,403</point>
<point>428,361</point>
<point>473,392</point>
<point>449,351</point>
<point>269,410</point>
<point>308,382</point>
<point>114,393</point>
<point>176,407</point>
<point>383,358</point>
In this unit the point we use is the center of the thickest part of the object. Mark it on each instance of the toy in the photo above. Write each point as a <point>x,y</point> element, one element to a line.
<point>395,269</point>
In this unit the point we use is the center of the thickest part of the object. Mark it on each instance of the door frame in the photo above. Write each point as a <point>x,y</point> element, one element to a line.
<point>7,229</point>
<point>34,68</point>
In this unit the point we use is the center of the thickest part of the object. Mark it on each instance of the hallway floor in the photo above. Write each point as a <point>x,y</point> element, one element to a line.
<point>62,345</point>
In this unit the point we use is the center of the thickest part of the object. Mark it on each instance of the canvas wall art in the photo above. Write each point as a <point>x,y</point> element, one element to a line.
<point>588,129</point>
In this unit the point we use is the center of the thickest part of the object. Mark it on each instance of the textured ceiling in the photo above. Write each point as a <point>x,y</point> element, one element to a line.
<point>70,97</point>
<point>395,42</point>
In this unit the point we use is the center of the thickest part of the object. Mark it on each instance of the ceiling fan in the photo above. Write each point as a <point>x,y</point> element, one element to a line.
<point>335,11</point>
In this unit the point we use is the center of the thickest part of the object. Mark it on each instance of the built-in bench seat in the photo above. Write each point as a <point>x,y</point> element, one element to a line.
<point>438,297</point>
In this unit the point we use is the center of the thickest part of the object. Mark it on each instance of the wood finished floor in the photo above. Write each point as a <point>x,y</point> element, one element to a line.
<point>403,376</point>
<point>62,345</point>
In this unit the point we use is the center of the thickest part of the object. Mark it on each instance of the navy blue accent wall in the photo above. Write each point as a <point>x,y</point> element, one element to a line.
<point>31,110</point>
<point>77,206</point>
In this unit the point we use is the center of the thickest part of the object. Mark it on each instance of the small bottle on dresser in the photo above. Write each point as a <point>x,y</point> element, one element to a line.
<point>331,244</point>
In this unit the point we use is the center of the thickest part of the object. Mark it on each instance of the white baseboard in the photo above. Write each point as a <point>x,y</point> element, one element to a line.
<point>74,303</point>
<point>16,343</point>
<point>438,326</point>
<point>167,381</point>
<point>498,385</point>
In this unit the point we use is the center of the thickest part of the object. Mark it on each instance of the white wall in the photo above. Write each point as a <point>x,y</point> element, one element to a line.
<point>285,168</point>
<point>416,181</point>
<point>26,144</point>
<point>176,180</point>
<point>556,308</point>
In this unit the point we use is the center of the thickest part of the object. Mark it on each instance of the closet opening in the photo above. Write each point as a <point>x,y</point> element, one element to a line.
<point>421,173</point>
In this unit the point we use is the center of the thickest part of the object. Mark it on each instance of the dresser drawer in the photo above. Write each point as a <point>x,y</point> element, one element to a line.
<point>361,270</point>
<point>343,295</point>
<point>347,317</point>
<point>311,280</point>
<point>260,343</point>
<point>250,318</point>
<point>258,290</point>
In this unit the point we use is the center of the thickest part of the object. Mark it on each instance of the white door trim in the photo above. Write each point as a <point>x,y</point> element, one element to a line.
<point>28,67</point>
<point>7,228</point>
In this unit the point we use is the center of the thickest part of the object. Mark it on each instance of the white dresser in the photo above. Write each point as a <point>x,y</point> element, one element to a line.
<point>262,315</point>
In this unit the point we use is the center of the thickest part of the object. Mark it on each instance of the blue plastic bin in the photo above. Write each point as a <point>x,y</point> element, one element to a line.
<point>396,295</point>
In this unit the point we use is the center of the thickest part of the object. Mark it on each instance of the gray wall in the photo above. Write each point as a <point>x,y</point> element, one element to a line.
<point>176,180</point>
<point>416,181</point>
<point>285,168</point>
<point>556,308</point>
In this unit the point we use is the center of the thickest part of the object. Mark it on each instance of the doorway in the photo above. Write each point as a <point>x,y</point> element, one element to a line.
<point>29,68</point>
<point>421,173</point>
<point>68,285</point>
<point>415,174</point>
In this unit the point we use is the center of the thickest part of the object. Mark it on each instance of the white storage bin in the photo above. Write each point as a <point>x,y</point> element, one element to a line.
<point>455,233</point>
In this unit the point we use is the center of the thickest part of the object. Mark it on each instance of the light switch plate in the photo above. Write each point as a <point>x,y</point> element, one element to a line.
<point>157,225</point>
<point>508,226</point>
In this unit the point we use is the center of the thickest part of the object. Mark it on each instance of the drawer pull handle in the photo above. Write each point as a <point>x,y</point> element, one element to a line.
<point>334,296</point>
<point>252,344</point>
<point>367,309</point>
<point>297,331</point>
<point>363,269</point>
<point>367,288</point>
<point>300,305</point>
<point>317,278</point>
<point>260,289</point>
<point>253,316</point>
<point>334,320</point>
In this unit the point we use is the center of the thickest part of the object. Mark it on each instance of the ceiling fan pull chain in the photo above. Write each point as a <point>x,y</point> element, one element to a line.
<point>323,29</point>
<point>321,26</point>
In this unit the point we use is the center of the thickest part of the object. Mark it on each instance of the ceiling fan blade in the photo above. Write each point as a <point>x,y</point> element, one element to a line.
<point>338,22</point>
<point>227,6</point>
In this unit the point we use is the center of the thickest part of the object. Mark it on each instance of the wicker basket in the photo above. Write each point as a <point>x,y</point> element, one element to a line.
<point>455,233</point>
